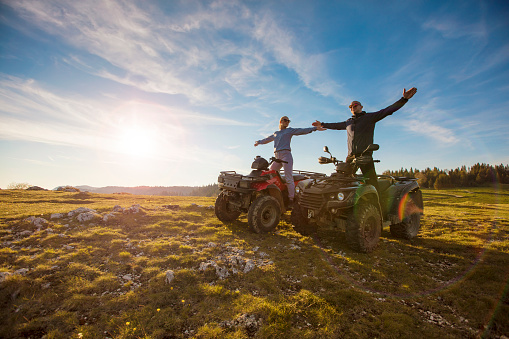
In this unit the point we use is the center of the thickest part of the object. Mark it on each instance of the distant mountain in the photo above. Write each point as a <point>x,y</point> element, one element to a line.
<point>140,190</point>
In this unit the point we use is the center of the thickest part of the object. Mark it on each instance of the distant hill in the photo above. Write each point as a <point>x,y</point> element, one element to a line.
<point>141,190</point>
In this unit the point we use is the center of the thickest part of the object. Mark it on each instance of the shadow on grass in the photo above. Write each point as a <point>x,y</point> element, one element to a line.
<point>468,276</point>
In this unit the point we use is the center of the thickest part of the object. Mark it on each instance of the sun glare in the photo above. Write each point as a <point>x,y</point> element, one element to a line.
<point>141,130</point>
<point>136,141</point>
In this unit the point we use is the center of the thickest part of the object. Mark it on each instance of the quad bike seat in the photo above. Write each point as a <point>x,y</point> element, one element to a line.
<point>384,184</point>
<point>296,177</point>
<point>255,173</point>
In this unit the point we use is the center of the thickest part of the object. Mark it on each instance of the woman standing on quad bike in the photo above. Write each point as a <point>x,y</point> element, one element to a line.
<point>282,151</point>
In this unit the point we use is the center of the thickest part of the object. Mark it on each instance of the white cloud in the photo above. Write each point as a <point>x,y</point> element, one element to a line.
<point>182,51</point>
<point>433,131</point>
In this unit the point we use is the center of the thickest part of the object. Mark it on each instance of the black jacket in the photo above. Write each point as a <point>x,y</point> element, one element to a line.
<point>361,127</point>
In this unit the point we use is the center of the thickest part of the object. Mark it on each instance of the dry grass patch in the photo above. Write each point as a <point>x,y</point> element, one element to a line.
<point>155,272</point>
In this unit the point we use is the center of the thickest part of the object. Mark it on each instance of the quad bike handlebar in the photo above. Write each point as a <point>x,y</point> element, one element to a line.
<point>347,169</point>
<point>357,159</point>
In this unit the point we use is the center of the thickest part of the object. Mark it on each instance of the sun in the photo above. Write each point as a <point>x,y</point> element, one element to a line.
<point>143,131</point>
<point>136,141</point>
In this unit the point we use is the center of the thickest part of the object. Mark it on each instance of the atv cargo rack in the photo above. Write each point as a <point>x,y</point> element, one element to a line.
<point>311,175</point>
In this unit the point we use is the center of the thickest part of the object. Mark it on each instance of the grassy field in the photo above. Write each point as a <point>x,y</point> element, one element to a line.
<point>159,270</point>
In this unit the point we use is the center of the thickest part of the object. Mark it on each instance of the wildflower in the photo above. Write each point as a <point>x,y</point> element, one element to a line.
<point>158,309</point>
<point>183,301</point>
<point>127,323</point>
<point>80,335</point>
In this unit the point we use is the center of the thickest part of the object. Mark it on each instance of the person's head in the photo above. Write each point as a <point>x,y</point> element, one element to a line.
<point>355,107</point>
<point>284,122</point>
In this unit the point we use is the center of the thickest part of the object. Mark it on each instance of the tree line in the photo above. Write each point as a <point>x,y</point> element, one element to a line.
<point>211,190</point>
<point>477,175</point>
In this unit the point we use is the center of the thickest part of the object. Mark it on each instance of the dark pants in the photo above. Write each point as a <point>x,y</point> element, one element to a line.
<point>368,171</point>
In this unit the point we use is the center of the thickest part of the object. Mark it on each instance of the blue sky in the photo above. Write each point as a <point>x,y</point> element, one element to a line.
<point>165,93</point>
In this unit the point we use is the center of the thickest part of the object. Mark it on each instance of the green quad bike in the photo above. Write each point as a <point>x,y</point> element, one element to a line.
<point>346,201</point>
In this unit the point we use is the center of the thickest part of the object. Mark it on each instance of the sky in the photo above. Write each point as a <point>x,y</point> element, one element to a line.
<point>170,93</point>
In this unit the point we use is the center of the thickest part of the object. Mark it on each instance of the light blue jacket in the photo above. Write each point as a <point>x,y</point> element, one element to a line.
<point>282,138</point>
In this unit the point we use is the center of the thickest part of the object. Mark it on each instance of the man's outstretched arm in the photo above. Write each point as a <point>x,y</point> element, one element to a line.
<point>395,106</point>
<point>329,125</point>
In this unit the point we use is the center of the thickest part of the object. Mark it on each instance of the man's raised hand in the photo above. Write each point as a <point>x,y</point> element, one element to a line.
<point>410,93</point>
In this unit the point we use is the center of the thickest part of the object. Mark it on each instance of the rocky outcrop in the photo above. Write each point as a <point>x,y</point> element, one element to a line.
<point>36,188</point>
<point>234,261</point>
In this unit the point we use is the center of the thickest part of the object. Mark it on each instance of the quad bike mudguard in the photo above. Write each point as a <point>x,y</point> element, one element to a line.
<point>403,188</point>
<point>275,192</point>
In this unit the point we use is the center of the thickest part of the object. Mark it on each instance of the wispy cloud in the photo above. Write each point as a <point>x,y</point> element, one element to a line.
<point>24,97</point>
<point>34,162</point>
<point>484,62</point>
<point>309,68</point>
<point>474,35</point>
<point>452,28</point>
<point>183,53</point>
<point>441,134</point>
<point>30,112</point>
<point>429,120</point>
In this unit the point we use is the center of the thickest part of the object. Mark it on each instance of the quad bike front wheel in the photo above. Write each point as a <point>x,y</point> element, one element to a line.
<point>224,210</point>
<point>363,228</point>
<point>264,214</point>
<point>411,223</point>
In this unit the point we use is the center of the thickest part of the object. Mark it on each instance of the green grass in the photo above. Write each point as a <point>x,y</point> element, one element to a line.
<point>108,279</point>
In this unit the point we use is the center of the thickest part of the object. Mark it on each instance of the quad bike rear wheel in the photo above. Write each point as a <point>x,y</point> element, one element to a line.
<point>224,210</point>
<point>264,214</point>
<point>363,228</point>
<point>411,223</point>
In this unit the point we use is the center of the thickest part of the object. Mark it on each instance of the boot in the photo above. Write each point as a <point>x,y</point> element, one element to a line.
<point>290,204</point>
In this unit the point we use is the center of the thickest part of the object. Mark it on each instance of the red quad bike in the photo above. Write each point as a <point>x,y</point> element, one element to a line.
<point>263,194</point>
<point>344,200</point>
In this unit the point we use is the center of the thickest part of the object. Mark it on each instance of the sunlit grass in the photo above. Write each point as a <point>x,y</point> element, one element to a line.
<point>109,279</point>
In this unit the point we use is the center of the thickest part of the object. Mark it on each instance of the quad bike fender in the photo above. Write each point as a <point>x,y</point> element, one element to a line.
<point>416,193</point>
<point>303,183</point>
<point>275,192</point>
<point>400,194</point>
<point>368,193</point>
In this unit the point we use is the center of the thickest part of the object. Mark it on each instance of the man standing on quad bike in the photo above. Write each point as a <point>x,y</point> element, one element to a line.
<point>361,128</point>
<point>282,151</point>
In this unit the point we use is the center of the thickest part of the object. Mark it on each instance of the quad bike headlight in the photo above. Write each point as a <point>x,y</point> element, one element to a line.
<point>244,184</point>
<point>341,196</point>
